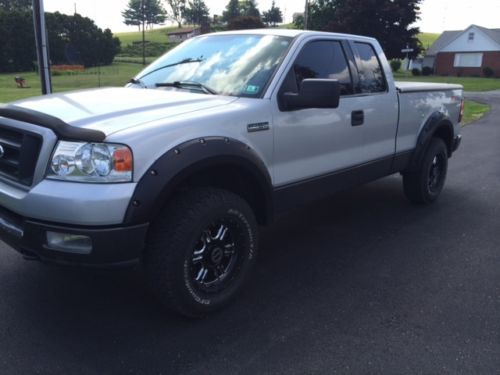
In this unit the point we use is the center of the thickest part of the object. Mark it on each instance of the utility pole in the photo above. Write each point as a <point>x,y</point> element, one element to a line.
<point>143,7</point>
<point>42,46</point>
<point>306,14</point>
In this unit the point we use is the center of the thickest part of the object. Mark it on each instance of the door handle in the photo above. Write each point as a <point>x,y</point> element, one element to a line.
<point>357,118</point>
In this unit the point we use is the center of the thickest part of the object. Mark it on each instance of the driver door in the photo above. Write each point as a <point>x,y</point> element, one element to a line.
<point>311,143</point>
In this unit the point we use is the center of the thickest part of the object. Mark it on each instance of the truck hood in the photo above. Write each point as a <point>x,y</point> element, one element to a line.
<point>114,109</point>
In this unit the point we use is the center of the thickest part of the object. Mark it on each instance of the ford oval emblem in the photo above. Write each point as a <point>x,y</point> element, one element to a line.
<point>2,151</point>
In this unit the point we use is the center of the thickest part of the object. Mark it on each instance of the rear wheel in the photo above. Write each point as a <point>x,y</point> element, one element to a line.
<point>424,184</point>
<point>200,251</point>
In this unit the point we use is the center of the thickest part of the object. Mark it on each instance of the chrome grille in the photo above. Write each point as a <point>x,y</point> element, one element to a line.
<point>18,154</point>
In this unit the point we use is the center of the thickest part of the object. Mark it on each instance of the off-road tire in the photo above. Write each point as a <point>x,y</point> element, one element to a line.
<point>184,226</point>
<point>424,183</point>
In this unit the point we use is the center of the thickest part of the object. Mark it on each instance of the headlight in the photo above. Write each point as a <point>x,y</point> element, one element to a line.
<point>91,162</point>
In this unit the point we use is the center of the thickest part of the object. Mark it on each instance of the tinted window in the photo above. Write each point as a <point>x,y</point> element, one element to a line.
<point>321,59</point>
<point>371,78</point>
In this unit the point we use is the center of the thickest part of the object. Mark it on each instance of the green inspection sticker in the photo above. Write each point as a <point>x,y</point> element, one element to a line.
<point>252,89</point>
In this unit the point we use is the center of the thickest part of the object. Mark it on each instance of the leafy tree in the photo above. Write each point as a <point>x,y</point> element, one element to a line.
<point>77,40</point>
<point>72,39</point>
<point>386,20</point>
<point>238,8</point>
<point>232,10</point>
<point>17,39</point>
<point>245,22</point>
<point>196,13</point>
<point>248,8</point>
<point>144,12</point>
<point>273,15</point>
<point>320,13</point>
<point>176,6</point>
<point>12,5</point>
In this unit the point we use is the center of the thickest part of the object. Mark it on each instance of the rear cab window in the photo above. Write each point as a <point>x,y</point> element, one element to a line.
<point>371,74</point>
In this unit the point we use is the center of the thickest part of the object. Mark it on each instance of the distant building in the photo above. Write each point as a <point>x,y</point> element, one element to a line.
<point>465,52</point>
<point>183,34</point>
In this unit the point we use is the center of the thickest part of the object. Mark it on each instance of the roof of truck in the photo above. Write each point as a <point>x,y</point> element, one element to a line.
<point>288,32</point>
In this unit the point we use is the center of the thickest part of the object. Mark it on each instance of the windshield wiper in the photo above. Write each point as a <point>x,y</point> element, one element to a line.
<point>184,61</point>
<point>188,84</point>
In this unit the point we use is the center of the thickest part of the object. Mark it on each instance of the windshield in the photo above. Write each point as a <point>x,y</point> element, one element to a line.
<point>236,65</point>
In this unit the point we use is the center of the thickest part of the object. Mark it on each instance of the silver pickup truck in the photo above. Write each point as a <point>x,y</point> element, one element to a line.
<point>219,135</point>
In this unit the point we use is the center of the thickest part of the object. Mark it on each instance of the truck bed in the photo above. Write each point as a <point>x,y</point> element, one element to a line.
<point>406,87</point>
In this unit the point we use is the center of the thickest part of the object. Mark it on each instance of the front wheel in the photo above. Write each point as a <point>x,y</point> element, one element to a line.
<point>424,184</point>
<point>200,250</point>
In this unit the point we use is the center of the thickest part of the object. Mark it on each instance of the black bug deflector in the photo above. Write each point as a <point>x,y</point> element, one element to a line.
<point>59,127</point>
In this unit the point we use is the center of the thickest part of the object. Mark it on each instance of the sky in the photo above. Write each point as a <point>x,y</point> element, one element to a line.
<point>436,15</point>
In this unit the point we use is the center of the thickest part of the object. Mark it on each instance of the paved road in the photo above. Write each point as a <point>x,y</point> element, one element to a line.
<point>360,283</point>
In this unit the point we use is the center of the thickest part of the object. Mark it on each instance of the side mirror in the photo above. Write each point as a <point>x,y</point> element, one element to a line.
<point>314,93</point>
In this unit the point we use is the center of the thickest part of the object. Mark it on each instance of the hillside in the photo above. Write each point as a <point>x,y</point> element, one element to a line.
<point>160,36</point>
<point>427,39</point>
<point>157,35</point>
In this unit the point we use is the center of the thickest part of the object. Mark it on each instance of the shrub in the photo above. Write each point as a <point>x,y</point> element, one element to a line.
<point>427,71</point>
<point>488,72</point>
<point>415,71</point>
<point>245,22</point>
<point>395,65</point>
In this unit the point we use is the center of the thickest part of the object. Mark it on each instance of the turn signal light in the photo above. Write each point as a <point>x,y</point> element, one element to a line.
<point>122,160</point>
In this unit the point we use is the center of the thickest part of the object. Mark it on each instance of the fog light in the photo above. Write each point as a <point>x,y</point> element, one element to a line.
<point>70,243</point>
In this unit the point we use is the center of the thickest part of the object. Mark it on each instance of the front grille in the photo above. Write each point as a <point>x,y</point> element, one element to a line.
<point>18,154</point>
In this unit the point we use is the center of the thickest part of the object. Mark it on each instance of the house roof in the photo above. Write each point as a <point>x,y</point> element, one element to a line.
<point>492,33</point>
<point>444,39</point>
<point>449,36</point>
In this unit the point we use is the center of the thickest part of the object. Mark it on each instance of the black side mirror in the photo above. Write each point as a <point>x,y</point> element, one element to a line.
<point>314,93</point>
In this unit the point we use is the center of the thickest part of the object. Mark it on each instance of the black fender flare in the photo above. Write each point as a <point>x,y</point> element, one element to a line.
<point>172,168</point>
<point>437,122</point>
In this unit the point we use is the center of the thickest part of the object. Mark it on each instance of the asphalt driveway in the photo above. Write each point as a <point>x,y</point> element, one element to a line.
<point>361,283</point>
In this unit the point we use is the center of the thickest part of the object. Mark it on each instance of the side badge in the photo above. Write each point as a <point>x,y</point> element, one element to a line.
<point>257,127</point>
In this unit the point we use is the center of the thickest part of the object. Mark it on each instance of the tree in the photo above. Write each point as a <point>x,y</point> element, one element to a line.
<point>13,5</point>
<point>232,10</point>
<point>77,40</point>
<point>196,13</point>
<point>17,39</point>
<point>320,13</point>
<point>248,8</point>
<point>386,20</point>
<point>72,39</point>
<point>245,8</point>
<point>273,15</point>
<point>176,6</point>
<point>144,12</point>
<point>245,22</point>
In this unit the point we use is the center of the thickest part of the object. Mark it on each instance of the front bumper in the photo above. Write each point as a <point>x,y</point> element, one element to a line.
<point>110,246</point>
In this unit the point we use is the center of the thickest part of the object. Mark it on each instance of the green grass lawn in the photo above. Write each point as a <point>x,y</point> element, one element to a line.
<point>473,111</point>
<point>114,75</point>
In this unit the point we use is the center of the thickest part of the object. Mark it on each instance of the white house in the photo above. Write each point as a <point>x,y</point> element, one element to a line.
<point>466,52</point>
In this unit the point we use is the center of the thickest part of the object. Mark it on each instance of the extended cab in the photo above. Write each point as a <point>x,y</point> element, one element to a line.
<point>221,134</point>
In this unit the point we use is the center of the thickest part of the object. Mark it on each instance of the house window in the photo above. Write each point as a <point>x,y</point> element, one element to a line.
<point>471,36</point>
<point>468,60</point>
